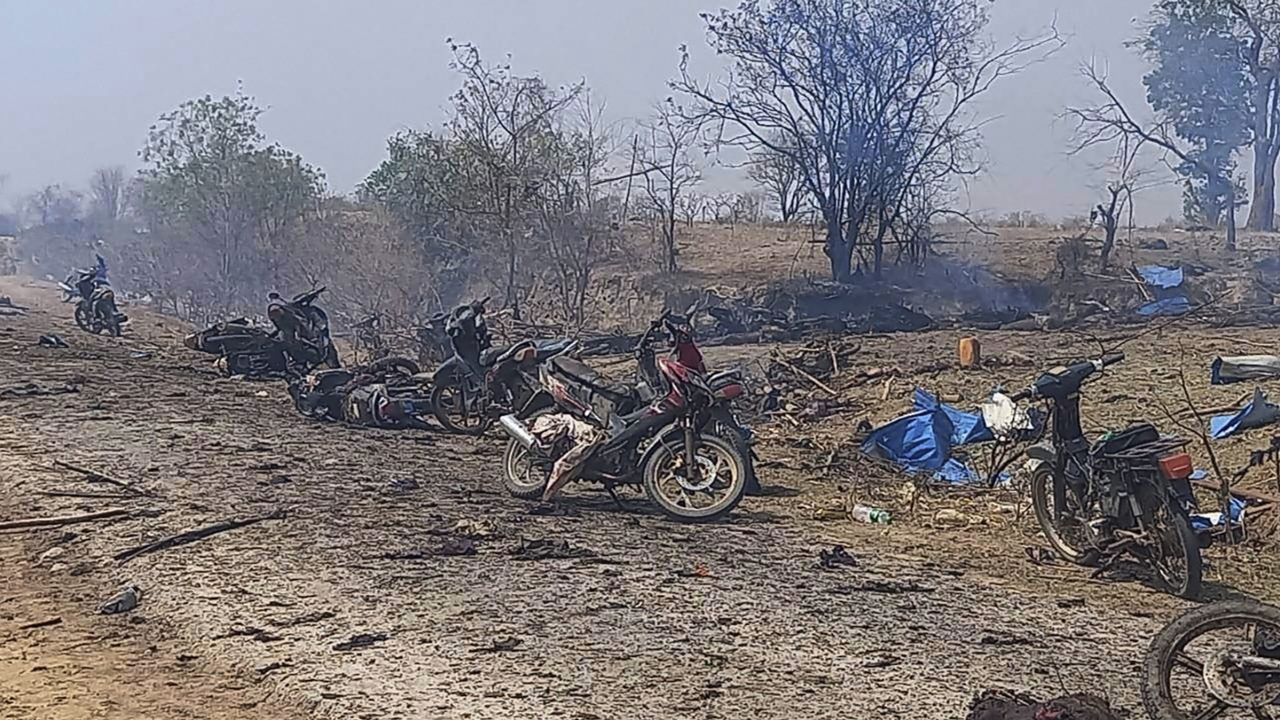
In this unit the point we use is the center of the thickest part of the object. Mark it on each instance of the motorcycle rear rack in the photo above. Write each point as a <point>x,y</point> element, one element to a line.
<point>1155,448</point>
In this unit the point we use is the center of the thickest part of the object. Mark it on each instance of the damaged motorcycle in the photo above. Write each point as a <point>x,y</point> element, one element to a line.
<point>96,310</point>
<point>480,383</point>
<point>1127,493</point>
<point>599,431</point>
<point>299,343</point>
<point>388,393</point>
<point>1220,660</point>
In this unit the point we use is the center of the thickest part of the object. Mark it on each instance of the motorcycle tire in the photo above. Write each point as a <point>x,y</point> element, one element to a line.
<point>83,320</point>
<point>1179,529</point>
<point>442,415</point>
<point>512,477</point>
<point>113,328</point>
<point>1168,644</point>
<point>1041,496</point>
<point>726,426</point>
<point>394,363</point>
<point>659,458</point>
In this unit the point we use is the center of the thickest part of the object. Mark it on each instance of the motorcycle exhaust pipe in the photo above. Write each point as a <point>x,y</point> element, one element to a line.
<point>518,431</point>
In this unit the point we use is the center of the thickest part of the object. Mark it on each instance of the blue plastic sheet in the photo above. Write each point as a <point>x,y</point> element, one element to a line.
<point>1161,277</point>
<point>1201,522</point>
<point>921,441</point>
<point>1256,413</point>
<point>1176,305</point>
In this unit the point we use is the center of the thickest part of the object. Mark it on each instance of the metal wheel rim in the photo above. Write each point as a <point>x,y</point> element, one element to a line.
<point>716,474</point>
<point>1227,692</point>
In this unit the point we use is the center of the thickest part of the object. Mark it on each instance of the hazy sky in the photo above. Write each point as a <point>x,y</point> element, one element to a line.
<point>83,80</point>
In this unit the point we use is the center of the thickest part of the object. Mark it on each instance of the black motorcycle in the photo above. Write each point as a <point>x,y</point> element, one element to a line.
<point>389,392</point>
<point>243,349</point>
<point>96,310</point>
<point>1128,493</point>
<point>304,328</point>
<point>480,383</point>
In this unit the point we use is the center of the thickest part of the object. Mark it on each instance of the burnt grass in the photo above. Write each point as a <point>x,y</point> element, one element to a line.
<point>356,610</point>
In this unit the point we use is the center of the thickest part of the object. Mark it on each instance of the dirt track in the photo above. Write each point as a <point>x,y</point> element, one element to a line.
<point>662,620</point>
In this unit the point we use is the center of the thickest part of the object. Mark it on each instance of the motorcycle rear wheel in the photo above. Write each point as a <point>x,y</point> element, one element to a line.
<point>449,405</point>
<point>521,476</point>
<point>715,455</point>
<point>83,320</point>
<point>1069,543</point>
<point>1183,576</point>
<point>1168,651</point>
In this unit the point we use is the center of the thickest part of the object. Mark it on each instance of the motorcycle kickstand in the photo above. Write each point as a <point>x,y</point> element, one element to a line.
<point>616,500</point>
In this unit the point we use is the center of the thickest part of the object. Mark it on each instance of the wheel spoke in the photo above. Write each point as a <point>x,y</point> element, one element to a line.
<point>1182,659</point>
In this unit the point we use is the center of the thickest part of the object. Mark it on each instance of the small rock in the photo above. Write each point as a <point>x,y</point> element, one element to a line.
<point>52,554</point>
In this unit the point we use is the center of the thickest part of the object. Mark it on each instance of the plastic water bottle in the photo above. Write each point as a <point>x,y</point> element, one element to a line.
<point>874,516</point>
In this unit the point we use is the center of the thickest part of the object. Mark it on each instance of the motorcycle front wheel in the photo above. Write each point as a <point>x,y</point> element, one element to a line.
<point>523,475</point>
<point>457,410</point>
<point>708,493</point>
<point>1210,662</point>
<point>1068,536</point>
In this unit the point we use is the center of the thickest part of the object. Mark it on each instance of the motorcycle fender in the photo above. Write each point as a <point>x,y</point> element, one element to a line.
<point>450,372</point>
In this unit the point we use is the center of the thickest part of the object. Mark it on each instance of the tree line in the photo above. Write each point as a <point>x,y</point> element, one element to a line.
<point>855,115</point>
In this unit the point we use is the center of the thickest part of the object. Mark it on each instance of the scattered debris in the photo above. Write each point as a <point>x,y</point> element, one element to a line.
<point>697,571</point>
<point>140,355</point>
<point>34,390</point>
<point>448,547</point>
<point>193,536</point>
<point>51,341</point>
<point>50,622</point>
<point>1256,413</point>
<point>1240,368</point>
<point>309,618</point>
<point>952,518</point>
<point>361,641</point>
<point>1041,556</point>
<point>549,549</point>
<point>403,485</point>
<point>272,667</point>
<point>886,587</point>
<point>248,631</point>
<point>836,557</point>
<point>95,476</point>
<point>505,644</point>
<point>1009,705</point>
<point>122,602</point>
<point>880,660</point>
<point>59,520</point>
<point>474,529</point>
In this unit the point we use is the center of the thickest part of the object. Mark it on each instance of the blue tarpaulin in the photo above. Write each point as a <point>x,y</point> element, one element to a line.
<point>921,441</point>
<point>1176,305</point>
<point>1256,413</point>
<point>1206,521</point>
<point>1160,277</point>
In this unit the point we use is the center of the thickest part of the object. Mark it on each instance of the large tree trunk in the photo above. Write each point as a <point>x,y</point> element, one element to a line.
<point>1262,211</point>
<point>838,251</point>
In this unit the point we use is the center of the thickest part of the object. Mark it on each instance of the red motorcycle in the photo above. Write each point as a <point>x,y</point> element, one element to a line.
<point>663,444</point>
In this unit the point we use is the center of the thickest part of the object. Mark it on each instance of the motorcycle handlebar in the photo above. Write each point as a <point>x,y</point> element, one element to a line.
<point>1111,358</point>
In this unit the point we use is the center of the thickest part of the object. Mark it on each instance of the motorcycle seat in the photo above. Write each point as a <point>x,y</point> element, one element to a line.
<point>576,371</point>
<point>1127,439</point>
<point>546,349</point>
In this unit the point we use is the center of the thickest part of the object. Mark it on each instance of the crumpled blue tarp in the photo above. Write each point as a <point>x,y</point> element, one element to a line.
<point>1161,277</point>
<point>921,441</point>
<point>1241,368</point>
<point>1201,522</point>
<point>1256,413</point>
<point>1176,305</point>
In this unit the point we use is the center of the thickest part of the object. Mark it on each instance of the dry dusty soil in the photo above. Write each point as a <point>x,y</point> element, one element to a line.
<point>345,608</point>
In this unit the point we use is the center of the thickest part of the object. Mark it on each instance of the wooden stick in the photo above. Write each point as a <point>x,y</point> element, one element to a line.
<point>61,519</point>
<point>96,496</point>
<point>191,536</point>
<point>94,476</point>
<point>56,620</point>
<point>821,385</point>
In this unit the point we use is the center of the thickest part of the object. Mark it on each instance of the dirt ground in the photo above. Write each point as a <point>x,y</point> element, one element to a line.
<point>344,608</point>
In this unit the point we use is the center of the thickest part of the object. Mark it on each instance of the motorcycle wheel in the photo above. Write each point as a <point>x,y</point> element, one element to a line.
<point>726,425</point>
<point>395,363</point>
<point>449,405</point>
<point>1070,541</point>
<point>672,493</point>
<point>113,328</point>
<point>83,319</point>
<point>523,478</point>
<point>1222,681</point>
<point>331,360</point>
<point>1176,562</point>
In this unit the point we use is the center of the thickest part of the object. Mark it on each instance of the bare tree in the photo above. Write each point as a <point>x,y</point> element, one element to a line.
<point>1110,122</point>
<point>669,172</point>
<point>107,193</point>
<point>867,98</point>
<point>690,207</point>
<point>777,174</point>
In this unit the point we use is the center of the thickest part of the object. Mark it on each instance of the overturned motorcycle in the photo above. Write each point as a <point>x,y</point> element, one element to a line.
<point>587,428</point>
<point>388,393</point>
<point>299,343</point>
